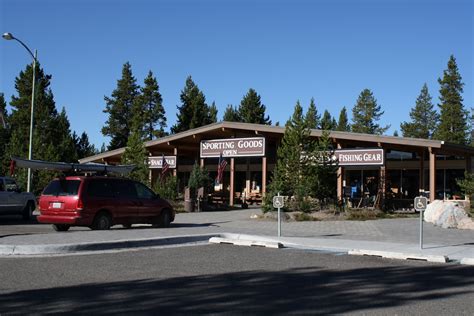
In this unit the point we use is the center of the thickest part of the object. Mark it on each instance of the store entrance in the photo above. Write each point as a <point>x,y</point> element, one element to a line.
<point>364,187</point>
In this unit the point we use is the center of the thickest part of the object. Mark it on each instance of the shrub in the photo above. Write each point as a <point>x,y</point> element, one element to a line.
<point>168,188</point>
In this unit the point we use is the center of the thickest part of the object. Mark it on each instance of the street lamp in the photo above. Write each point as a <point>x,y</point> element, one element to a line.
<point>9,36</point>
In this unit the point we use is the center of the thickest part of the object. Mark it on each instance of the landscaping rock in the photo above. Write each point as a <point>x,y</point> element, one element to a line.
<point>448,214</point>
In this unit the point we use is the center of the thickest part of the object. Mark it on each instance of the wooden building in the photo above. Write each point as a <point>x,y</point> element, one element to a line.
<point>402,166</point>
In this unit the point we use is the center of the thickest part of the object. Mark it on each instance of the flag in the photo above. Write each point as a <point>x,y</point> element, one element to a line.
<point>220,169</point>
<point>12,167</point>
<point>164,167</point>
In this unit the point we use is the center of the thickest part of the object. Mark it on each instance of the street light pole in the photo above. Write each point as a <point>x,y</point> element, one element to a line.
<point>9,36</point>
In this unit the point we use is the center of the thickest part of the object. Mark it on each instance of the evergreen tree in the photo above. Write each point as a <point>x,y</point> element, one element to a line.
<point>212,117</point>
<point>52,140</point>
<point>327,122</point>
<point>289,176</point>
<point>395,133</point>
<point>154,119</point>
<point>312,116</point>
<point>193,111</point>
<point>119,107</point>
<point>251,109</point>
<point>343,123</point>
<point>4,136</point>
<point>231,114</point>
<point>366,113</point>
<point>423,117</point>
<point>453,126</point>
<point>136,154</point>
<point>83,147</point>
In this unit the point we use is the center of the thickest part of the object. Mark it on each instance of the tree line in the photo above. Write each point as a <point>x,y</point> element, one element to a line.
<point>136,114</point>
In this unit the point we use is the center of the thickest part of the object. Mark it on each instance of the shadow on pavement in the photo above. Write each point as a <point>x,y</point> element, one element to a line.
<point>17,220</point>
<point>302,290</point>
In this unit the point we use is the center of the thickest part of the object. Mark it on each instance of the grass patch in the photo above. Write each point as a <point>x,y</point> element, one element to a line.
<point>364,214</point>
<point>303,217</point>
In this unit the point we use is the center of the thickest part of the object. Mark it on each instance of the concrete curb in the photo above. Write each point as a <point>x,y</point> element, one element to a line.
<point>399,255</point>
<point>17,250</point>
<point>467,261</point>
<point>241,242</point>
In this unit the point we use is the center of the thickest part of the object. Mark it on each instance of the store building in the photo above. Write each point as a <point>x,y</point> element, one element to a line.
<point>369,165</point>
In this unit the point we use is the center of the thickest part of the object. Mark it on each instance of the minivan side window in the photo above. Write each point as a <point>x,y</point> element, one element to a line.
<point>125,189</point>
<point>144,192</point>
<point>100,188</point>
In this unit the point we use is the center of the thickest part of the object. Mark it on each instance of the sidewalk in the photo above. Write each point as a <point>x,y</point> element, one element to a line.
<point>393,238</point>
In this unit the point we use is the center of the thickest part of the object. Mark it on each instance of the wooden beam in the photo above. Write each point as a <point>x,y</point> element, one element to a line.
<point>264,176</point>
<point>231,194</point>
<point>175,153</point>
<point>432,174</point>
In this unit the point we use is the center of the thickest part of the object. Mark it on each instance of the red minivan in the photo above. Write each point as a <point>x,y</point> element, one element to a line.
<point>101,202</point>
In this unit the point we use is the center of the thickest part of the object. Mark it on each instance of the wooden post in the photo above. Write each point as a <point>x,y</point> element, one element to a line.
<point>339,181</point>
<point>175,170</point>
<point>231,196</point>
<point>432,175</point>
<point>202,163</point>
<point>422,172</point>
<point>247,179</point>
<point>264,176</point>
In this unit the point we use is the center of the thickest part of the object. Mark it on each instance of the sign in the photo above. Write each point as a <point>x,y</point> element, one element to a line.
<point>360,157</point>
<point>156,162</point>
<point>233,147</point>
<point>420,203</point>
<point>278,201</point>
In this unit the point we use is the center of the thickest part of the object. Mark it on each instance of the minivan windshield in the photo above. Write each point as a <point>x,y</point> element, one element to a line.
<point>62,187</point>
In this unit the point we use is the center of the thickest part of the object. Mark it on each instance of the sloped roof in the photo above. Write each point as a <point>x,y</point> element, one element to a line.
<point>269,129</point>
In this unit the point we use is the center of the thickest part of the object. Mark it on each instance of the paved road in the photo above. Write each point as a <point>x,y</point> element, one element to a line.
<point>388,230</point>
<point>229,279</point>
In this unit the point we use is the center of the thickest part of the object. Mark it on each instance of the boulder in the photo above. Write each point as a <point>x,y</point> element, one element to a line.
<point>448,214</point>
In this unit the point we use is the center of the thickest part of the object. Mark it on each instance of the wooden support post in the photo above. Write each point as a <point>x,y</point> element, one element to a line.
<point>175,153</point>
<point>202,163</point>
<point>264,176</point>
<point>247,179</point>
<point>339,181</point>
<point>231,196</point>
<point>432,175</point>
<point>422,172</point>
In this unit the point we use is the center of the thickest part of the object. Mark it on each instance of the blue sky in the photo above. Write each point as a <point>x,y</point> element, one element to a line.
<point>285,50</point>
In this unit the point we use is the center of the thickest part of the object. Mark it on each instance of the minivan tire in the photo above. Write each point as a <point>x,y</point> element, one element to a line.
<point>102,221</point>
<point>164,220</point>
<point>61,227</point>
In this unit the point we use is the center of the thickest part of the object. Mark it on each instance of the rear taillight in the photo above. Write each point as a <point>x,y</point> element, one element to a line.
<point>80,205</point>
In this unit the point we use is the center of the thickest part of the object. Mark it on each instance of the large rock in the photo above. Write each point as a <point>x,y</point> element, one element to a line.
<point>448,214</point>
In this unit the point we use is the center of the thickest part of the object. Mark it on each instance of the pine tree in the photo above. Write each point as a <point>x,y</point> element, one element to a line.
<point>66,147</point>
<point>231,114</point>
<point>154,119</point>
<point>343,123</point>
<point>212,116</point>
<point>289,176</point>
<point>366,113</point>
<point>83,147</point>
<point>453,126</point>
<point>4,136</point>
<point>52,140</point>
<point>136,154</point>
<point>327,122</point>
<point>423,117</point>
<point>193,111</point>
<point>312,116</point>
<point>251,109</point>
<point>119,107</point>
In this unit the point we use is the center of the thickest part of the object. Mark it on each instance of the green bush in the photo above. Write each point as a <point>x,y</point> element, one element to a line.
<point>168,188</point>
<point>363,214</point>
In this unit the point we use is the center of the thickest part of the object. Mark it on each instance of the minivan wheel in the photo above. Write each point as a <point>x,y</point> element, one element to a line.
<point>61,227</point>
<point>163,220</point>
<point>102,222</point>
<point>28,211</point>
